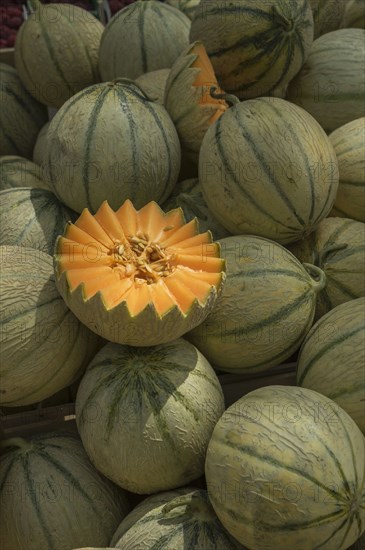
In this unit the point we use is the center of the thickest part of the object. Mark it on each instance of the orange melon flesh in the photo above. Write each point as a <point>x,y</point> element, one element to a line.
<point>206,78</point>
<point>118,255</point>
<point>127,217</point>
<point>109,222</point>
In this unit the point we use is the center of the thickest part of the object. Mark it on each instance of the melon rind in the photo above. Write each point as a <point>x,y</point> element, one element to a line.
<point>332,358</point>
<point>147,328</point>
<point>291,465</point>
<point>65,502</point>
<point>183,103</point>
<point>145,415</point>
<point>44,347</point>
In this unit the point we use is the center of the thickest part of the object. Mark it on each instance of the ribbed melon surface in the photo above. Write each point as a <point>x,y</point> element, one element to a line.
<point>142,37</point>
<point>157,409</point>
<point>110,142</point>
<point>32,218</point>
<point>65,59</point>
<point>256,48</point>
<point>64,501</point>
<point>331,84</point>
<point>285,469</point>
<point>332,358</point>
<point>44,347</point>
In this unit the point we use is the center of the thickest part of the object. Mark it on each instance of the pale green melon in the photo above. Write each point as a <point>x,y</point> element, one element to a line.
<point>327,15</point>
<point>64,501</point>
<point>110,142</point>
<point>337,247</point>
<point>44,347</point>
<point>21,116</point>
<point>32,218</point>
<point>39,150</point>
<point>332,358</point>
<point>291,463</point>
<point>172,520</point>
<point>153,84</point>
<point>188,196</point>
<point>142,37</point>
<point>65,59</point>
<point>331,84</point>
<point>266,307</point>
<point>349,145</point>
<point>267,168</point>
<point>145,415</point>
<point>20,172</point>
<point>256,48</point>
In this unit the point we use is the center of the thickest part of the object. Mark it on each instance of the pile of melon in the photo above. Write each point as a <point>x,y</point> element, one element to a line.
<point>193,211</point>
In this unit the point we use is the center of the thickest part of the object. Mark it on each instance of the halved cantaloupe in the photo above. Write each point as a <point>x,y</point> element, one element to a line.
<point>138,277</point>
<point>193,97</point>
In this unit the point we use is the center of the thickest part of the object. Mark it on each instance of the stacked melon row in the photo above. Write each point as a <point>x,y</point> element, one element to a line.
<point>149,406</point>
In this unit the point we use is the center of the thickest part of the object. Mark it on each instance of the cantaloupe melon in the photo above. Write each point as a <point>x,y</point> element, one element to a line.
<point>337,246</point>
<point>21,116</point>
<point>32,218</point>
<point>174,520</point>
<point>145,415</point>
<point>142,37</point>
<point>53,498</point>
<point>138,278</point>
<point>43,347</point>
<point>110,142</point>
<point>65,59</point>
<point>265,310</point>
<point>20,172</point>
<point>349,143</point>
<point>332,358</point>
<point>331,84</point>
<point>190,97</point>
<point>285,469</point>
<point>267,168</point>
<point>256,48</point>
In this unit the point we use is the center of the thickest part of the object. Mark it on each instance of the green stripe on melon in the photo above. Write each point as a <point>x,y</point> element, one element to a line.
<point>66,57</point>
<point>255,48</point>
<point>21,116</point>
<point>337,246</point>
<point>267,168</point>
<point>110,142</point>
<point>349,143</point>
<point>331,84</point>
<point>20,172</point>
<point>332,358</point>
<point>142,37</point>
<point>32,218</point>
<point>265,310</point>
<point>172,520</point>
<point>64,501</point>
<point>285,469</point>
<point>145,415</point>
<point>44,347</point>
